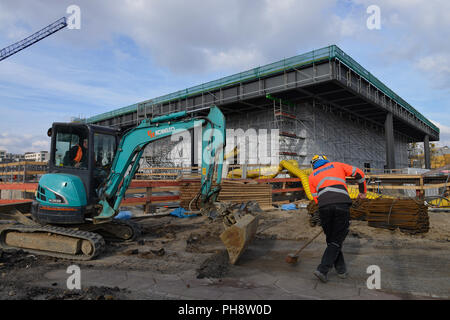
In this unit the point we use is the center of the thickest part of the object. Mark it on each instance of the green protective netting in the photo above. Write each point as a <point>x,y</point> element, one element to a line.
<point>326,53</point>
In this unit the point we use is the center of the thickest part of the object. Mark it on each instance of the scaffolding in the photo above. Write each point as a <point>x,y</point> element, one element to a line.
<point>285,120</point>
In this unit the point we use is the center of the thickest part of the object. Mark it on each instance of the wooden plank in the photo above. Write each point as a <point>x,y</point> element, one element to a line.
<point>394,176</point>
<point>153,183</point>
<point>5,201</point>
<point>30,187</point>
<point>424,187</point>
<point>287,190</point>
<point>152,199</point>
<point>19,173</point>
<point>159,189</point>
<point>157,174</point>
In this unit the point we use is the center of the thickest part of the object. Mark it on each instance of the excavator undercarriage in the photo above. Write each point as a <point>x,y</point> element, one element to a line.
<point>86,241</point>
<point>76,242</point>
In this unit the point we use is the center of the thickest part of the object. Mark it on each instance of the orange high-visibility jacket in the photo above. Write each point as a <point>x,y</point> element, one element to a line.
<point>328,186</point>
<point>79,155</point>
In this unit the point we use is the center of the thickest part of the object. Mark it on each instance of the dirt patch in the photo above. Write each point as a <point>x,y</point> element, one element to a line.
<point>170,244</point>
<point>286,225</point>
<point>91,293</point>
<point>216,266</point>
<point>294,225</point>
<point>18,259</point>
<point>13,290</point>
<point>439,230</point>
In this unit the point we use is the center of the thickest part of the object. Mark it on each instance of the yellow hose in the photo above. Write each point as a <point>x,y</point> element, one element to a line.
<point>233,153</point>
<point>443,202</point>
<point>353,191</point>
<point>260,173</point>
<point>292,167</point>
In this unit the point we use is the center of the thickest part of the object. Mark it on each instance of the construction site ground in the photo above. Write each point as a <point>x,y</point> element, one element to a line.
<point>183,258</point>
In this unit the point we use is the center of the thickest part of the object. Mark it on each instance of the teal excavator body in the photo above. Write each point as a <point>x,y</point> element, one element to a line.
<point>91,167</point>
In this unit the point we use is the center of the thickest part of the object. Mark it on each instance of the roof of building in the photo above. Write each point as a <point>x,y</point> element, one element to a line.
<point>326,53</point>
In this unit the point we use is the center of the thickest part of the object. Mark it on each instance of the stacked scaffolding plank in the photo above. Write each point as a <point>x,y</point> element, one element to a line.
<point>230,192</point>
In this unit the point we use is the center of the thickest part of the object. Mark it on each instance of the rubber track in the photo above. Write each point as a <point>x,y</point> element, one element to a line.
<point>96,240</point>
<point>134,227</point>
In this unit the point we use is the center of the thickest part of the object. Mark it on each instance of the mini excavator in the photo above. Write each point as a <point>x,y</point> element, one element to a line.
<point>90,169</point>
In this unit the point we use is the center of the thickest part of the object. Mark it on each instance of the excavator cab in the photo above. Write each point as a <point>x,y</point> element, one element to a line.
<point>80,160</point>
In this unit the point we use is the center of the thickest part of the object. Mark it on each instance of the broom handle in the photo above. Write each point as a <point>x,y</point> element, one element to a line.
<point>311,240</point>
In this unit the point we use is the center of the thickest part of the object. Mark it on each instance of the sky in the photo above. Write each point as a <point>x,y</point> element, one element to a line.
<point>127,51</point>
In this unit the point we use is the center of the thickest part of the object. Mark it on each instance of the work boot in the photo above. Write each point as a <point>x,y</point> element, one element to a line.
<point>322,277</point>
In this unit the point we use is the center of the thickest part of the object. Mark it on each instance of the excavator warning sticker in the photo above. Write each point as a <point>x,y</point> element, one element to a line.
<point>204,171</point>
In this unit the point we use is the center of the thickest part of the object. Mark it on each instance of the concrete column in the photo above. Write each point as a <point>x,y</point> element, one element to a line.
<point>389,133</point>
<point>426,151</point>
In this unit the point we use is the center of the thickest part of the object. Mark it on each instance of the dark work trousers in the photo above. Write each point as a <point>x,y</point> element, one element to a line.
<point>335,220</point>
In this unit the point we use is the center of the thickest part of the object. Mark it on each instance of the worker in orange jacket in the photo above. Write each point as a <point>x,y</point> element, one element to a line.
<point>78,154</point>
<point>329,189</point>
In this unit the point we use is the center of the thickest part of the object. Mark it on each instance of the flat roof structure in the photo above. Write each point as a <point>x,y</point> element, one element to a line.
<point>328,75</point>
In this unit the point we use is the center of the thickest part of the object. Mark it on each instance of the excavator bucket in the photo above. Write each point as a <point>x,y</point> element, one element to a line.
<point>240,224</point>
<point>237,237</point>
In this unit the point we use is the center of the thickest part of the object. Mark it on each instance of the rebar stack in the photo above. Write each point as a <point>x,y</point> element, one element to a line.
<point>410,215</point>
<point>359,209</point>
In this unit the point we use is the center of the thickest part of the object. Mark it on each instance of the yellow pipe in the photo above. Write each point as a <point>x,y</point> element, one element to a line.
<point>260,173</point>
<point>442,202</point>
<point>353,192</point>
<point>292,167</point>
<point>232,153</point>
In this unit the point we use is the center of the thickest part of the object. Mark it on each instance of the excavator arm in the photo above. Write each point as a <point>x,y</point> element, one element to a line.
<point>240,227</point>
<point>133,143</point>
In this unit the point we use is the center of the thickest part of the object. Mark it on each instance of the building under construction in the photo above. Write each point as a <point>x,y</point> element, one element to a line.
<point>322,101</point>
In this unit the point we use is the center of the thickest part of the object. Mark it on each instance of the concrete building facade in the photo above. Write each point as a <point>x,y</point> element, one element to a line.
<point>41,156</point>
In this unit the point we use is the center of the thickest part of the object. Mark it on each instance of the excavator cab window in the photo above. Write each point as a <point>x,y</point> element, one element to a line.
<point>104,150</point>
<point>71,148</point>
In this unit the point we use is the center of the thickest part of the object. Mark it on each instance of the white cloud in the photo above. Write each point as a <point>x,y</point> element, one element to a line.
<point>444,136</point>
<point>437,66</point>
<point>41,144</point>
<point>16,143</point>
<point>183,36</point>
<point>43,80</point>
